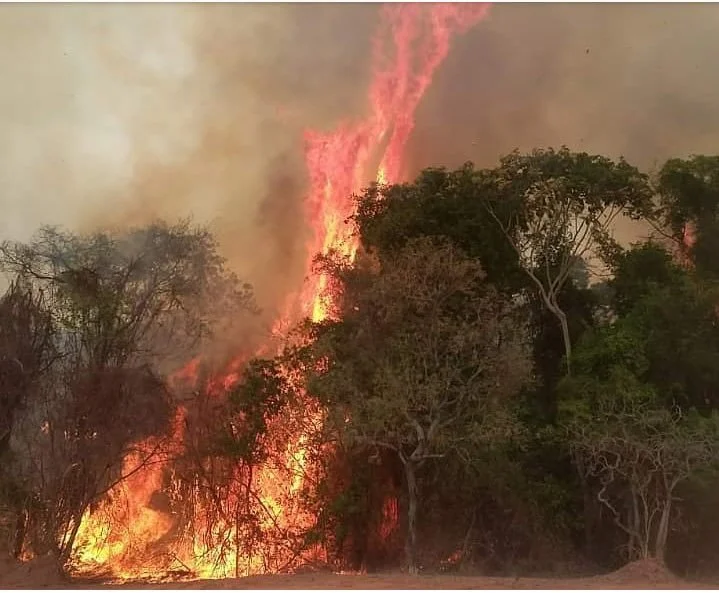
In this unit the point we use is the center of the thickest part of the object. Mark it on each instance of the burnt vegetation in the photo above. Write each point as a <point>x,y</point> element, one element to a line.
<point>504,388</point>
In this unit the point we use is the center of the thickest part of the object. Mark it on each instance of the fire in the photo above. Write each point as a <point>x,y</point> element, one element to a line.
<point>126,525</point>
<point>412,41</point>
<point>410,44</point>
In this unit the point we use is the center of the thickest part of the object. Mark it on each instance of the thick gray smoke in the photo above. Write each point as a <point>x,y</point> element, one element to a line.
<point>117,114</point>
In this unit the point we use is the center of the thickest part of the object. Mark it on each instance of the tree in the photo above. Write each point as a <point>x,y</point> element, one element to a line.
<point>27,350</point>
<point>420,361</point>
<point>154,291</point>
<point>689,208</point>
<point>225,447</point>
<point>637,450</point>
<point>452,206</point>
<point>123,308</point>
<point>675,312</point>
<point>442,204</point>
<point>565,206</point>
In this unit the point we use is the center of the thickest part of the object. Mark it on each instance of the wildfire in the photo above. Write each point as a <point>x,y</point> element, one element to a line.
<point>410,44</point>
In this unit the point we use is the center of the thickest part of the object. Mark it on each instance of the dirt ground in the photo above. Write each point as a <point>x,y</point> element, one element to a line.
<point>42,573</point>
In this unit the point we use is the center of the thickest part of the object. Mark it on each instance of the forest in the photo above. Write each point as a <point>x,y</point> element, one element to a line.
<point>500,386</point>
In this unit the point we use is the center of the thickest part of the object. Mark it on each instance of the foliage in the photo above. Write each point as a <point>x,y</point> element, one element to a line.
<point>115,310</point>
<point>421,348</point>
<point>443,373</point>
<point>566,204</point>
<point>442,204</point>
<point>420,360</point>
<point>674,312</point>
<point>635,445</point>
<point>150,291</point>
<point>689,208</point>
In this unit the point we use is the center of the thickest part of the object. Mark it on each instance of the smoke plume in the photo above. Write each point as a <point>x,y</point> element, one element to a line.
<point>118,114</point>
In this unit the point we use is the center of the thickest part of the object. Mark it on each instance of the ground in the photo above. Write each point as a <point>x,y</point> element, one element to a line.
<point>637,575</point>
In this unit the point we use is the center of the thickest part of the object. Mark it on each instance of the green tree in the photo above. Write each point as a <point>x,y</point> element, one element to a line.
<point>442,204</point>
<point>676,311</point>
<point>640,412</point>
<point>689,208</point>
<point>453,206</point>
<point>565,206</point>
<point>636,449</point>
<point>421,360</point>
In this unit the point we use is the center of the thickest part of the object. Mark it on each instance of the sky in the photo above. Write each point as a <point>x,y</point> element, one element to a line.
<point>114,114</point>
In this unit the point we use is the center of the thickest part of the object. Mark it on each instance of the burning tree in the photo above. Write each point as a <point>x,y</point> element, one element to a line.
<point>120,307</point>
<point>420,360</point>
<point>236,487</point>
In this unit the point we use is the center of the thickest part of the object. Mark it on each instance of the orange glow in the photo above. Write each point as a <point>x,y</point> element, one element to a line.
<point>127,535</point>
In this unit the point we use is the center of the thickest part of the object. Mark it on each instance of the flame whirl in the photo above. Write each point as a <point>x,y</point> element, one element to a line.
<point>120,535</point>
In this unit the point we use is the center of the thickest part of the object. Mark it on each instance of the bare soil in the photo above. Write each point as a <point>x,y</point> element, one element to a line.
<point>42,573</point>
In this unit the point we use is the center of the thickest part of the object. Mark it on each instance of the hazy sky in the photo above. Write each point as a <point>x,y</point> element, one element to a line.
<point>113,114</point>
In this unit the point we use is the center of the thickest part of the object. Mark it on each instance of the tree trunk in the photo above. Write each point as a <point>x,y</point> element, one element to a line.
<point>564,324</point>
<point>67,543</point>
<point>551,304</point>
<point>238,554</point>
<point>635,547</point>
<point>588,506</point>
<point>411,541</point>
<point>65,550</point>
<point>660,544</point>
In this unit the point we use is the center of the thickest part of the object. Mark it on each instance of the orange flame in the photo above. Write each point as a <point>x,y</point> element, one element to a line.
<point>411,43</point>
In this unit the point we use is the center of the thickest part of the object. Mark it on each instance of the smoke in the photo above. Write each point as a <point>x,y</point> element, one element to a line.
<point>118,114</point>
<point>128,113</point>
<point>632,80</point>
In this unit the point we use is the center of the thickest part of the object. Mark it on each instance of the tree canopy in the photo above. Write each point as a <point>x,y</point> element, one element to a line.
<point>500,384</point>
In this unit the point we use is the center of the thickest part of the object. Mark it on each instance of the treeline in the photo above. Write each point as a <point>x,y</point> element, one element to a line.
<point>534,392</point>
<point>504,387</point>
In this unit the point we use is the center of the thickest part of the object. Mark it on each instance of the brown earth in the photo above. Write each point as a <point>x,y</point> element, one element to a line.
<point>42,573</point>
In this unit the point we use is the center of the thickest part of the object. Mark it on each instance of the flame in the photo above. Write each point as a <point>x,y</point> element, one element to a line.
<point>409,35</point>
<point>381,176</point>
<point>125,525</point>
<point>120,536</point>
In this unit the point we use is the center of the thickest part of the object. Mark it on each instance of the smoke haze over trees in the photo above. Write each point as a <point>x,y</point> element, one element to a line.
<point>468,403</point>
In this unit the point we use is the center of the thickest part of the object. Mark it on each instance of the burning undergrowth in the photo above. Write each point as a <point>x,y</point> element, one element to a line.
<point>221,495</point>
<point>231,487</point>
